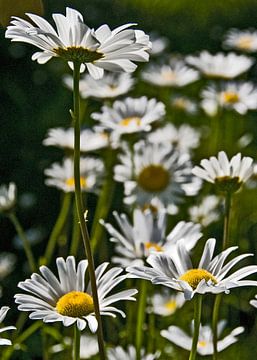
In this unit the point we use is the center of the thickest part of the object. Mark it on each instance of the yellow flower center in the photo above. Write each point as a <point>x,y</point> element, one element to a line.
<point>150,245</point>
<point>180,103</point>
<point>134,120</point>
<point>230,97</point>
<point>153,178</point>
<point>75,304</point>
<point>78,53</point>
<point>201,343</point>
<point>194,276</point>
<point>245,42</point>
<point>152,208</point>
<point>169,75</point>
<point>171,305</point>
<point>70,182</point>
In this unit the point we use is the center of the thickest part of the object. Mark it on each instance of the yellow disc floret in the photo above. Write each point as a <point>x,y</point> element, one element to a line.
<point>75,304</point>
<point>194,276</point>
<point>133,120</point>
<point>171,306</point>
<point>245,42</point>
<point>153,178</point>
<point>230,97</point>
<point>70,182</point>
<point>151,245</point>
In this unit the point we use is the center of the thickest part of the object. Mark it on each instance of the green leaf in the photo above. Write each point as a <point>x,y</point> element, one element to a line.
<point>19,8</point>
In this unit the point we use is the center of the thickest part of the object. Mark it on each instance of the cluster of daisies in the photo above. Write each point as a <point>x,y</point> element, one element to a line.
<point>142,149</point>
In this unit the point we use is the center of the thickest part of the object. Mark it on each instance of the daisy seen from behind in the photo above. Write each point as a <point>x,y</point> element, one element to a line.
<point>176,271</point>
<point>8,195</point>
<point>224,66</point>
<point>205,340</point>
<point>226,175</point>
<point>3,312</point>
<point>66,299</point>
<point>74,41</point>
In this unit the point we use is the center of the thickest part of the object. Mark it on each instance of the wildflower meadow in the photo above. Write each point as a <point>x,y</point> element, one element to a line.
<point>128,182</point>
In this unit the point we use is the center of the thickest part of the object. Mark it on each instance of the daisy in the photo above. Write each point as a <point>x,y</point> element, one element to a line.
<point>183,138</point>
<point>159,44</point>
<point>65,299</point>
<point>130,115</point>
<point>7,264</point>
<point>226,66</point>
<point>206,212</point>
<point>205,341</point>
<point>134,242</point>
<point>254,301</point>
<point>3,312</point>
<point>7,197</point>
<point>155,170</point>
<point>240,97</point>
<point>176,74</point>
<point>96,50</point>
<point>226,175</point>
<point>244,40</point>
<point>62,176</point>
<point>183,103</point>
<point>166,304</point>
<point>110,86</point>
<point>175,270</point>
<point>119,353</point>
<point>64,138</point>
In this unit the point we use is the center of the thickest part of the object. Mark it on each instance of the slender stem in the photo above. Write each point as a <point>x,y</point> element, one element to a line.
<point>25,241</point>
<point>60,222</point>
<point>76,234</point>
<point>215,318</point>
<point>76,343</point>
<point>80,208</point>
<point>140,318</point>
<point>197,320</point>
<point>152,337</point>
<point>226,220</point>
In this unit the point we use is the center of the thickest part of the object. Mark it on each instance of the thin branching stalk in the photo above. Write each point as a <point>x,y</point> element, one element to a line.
<point>25,241</point>
<point>76,234</point>
<point>227,214</point>
<point>197,321</point>
<point>141,317</point>
<point>80,208</point>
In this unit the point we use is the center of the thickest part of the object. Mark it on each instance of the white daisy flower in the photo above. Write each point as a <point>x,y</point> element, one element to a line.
<point>62,175</point>
<point>3,312</point>
<point>7,263</point>
<point>134,242</point>
<point>205,341</point>
<point>254,301</point>
<point>159,44</point>
<point>206,212</point>
<point>130,115</point>
<point>7,197</point>
<point>183,103</point>
<point>175,74</point>
<point>65,299</point>
<point>226,66</point>
<point>111,85</point>
<point>244,40</point>
<point>119,353</point>
<point>184,138</point>
<point>88,346</point>
<point>226,175</point>
<point>64,138</point>
<point>96,50</point>
<point>240,97</point>
<point>166,304</point>
<point>175,270</point>
<point>155,170</point>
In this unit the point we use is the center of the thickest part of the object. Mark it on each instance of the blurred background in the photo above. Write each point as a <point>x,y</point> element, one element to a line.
<point>33,99</point>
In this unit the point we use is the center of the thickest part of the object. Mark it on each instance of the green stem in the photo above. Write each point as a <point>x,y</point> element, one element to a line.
<point>226,220</point>
<point>104,201</point>
<point>197,320</point>
<point>25,241</point>
<point>141,317</point>
<point>215,318</point>
<point>152,337</point>
<point>76,343</point>
<point>80,208</point>
<point>76,235</point>
<point>60,222</point>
